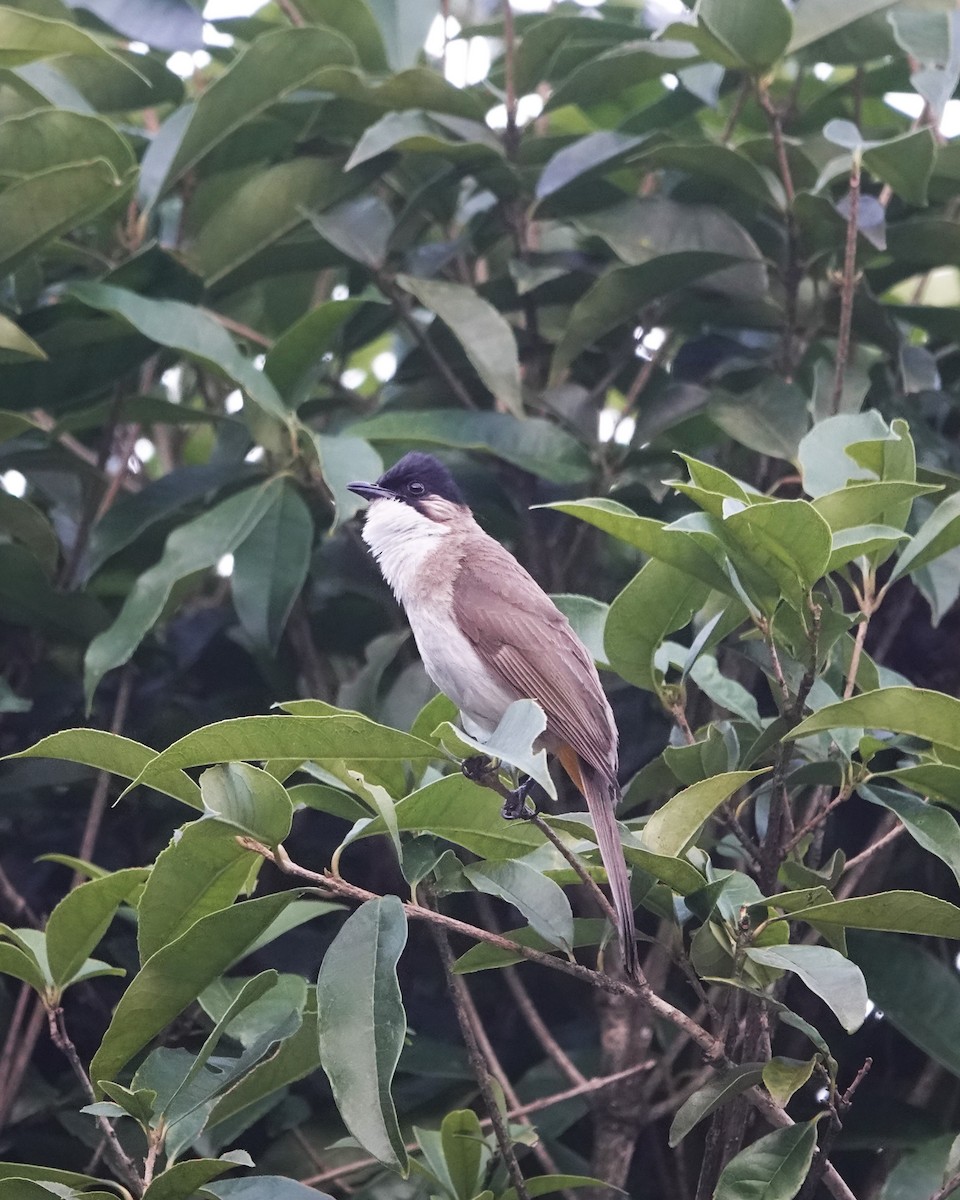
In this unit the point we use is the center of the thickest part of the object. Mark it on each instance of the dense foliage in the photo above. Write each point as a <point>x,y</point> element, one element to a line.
<point>674,294</point>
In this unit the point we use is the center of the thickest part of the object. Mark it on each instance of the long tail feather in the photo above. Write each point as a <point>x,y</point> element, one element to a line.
<point>602,796</point>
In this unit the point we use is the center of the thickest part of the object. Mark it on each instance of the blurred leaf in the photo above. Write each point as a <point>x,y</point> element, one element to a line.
<point>541,901</point>
<point>815,19</point>
<point>587,618</point>
<point>918,993</point>
<point>49,138</point>
<point>468,143</point>
<point>404,25</point>
<point>26,37</point>
<point>535,445</point>
<point>40,207</point>
<point>771,418</point>
<point>723,1086</point>
<point>299,352</point>
<point>82,917</point>
<point>773,1167</point>
<point>182,1180</point>
<point>275,65</point>
<point>620,296</point>
<point>361,1025</point>
<point>163,24</point>
<point>186,328</point>
<point>905,163</point>
<point>486,337</point>
<point>24,523</point>
<point>836,980</point>
<point>938,534</point>
<point>546,1185</point>
<point>358,228</point>
<point>757,34</point>
<point>607,74</point>
<point>673,826</point>
<point>13,339</point>
<point>264,1187</point>
<point>270,566</point>
<point>175,975</point>
<point>602,150</point>
<point>355,20</point>
<point>193,546</point>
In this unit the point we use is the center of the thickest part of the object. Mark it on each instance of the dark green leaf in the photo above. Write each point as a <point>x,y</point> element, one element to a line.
<point>538,898</point>
<point>724,1086</point>
<point>772,1168</point>
<point>82,917</point>
<point>833,978</point>
<point>756,33</point>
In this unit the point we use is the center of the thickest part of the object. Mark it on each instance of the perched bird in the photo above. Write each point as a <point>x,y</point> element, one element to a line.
<point>489,635</point>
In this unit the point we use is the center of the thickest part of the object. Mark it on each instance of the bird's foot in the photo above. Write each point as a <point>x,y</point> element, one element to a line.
<point>478,768</point>
<point>515,805</point>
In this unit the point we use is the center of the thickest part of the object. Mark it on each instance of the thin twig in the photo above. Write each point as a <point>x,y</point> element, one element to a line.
<point>292,13</point>
<point>122,1162</point>
<point>19,907</point>
<point>20,1051</point>
<point>480,1066</point>
<point>881,843</point>
<point>238,327</point>
<point>511,133</point>
<point>847,285</point>
<point>818,818</point>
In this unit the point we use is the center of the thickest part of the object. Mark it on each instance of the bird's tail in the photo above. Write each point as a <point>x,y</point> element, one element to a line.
<point>602,795</point>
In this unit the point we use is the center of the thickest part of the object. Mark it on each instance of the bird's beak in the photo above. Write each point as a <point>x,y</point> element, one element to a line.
<point>370,491</point>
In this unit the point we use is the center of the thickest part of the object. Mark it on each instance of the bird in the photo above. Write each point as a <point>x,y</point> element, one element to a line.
<point>489,635</point>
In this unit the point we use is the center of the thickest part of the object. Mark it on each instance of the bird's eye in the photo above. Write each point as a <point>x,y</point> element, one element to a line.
<point>415,489</point>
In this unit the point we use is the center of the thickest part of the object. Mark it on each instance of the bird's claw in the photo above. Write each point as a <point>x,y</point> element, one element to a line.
<point>478,767</point>
<point>515,806</point>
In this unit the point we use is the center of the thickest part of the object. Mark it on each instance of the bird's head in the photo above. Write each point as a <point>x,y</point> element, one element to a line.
<point>422,483</point>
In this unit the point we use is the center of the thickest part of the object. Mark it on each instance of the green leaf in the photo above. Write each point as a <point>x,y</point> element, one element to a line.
<point>275,65</point>
<point>673,826</point>
<point>186,328</point>
<point>13,339</point>
<point>918,993</point>
<point>267,206</point>
<point>357,24</point>
<point>299,351</point>
<point>361,1025</point>
<point>788,539</point>
<point>598,151</point>
<point>659,600</point>
<point>82,917</point>
<point>249,800</point>
<point>465,814</point>
<point>756,33</point>
<point>930,827</point>
<point>546,1185</point>
<point>26,524</point>
<point>182,1180</point>
<point>193,546</point>
<point>41,207</point>
<point>938,780</point>
<point>175,975</point>
<point>725,1085</point>
<point>264,1187</point>
<point>541,901</point>
<point>587,931</point>
<point>892,912</point>
<point>270,566</point>
<point>23,966</point>
<point>609,73</point>
<point>619,296</point>
<point>863,540</point>
<point>588,618</point>
<point>359,228</point>
<point>533,444</point>
<point>485,336</point>
<point>49,137</point>
<point>771,418</point>
<point>938,534</point>
<point>404,25</point>
<point>112,752</point>
<point>782,1077</point>
<point>836,980</point>
<point>905,163</point>
<point>773,1168</point>
<point>467,143</point>
<point>824,462</point>
<point>815,19</point>
<point>671,545</point>
<point>924,714</point>
<point>342,459</point>
<point>291,738</point>
<point>865,503</point>
<point>464,1151</point>
<point>26,37</point>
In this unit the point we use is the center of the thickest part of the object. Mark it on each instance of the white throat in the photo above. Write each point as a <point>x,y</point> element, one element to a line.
<point>401,539</point>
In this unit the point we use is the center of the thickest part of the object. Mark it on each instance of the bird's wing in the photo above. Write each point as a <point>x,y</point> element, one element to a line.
<point>517,629</point>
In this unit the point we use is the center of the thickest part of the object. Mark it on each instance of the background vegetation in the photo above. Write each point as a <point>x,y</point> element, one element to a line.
<point>560,249</point>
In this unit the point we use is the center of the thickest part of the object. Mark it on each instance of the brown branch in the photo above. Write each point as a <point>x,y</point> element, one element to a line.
<point>847,284</point>
<point>511,135</point>
<point>238,327</point>
<point>818,818</point>
<point>462,1006</point>
<point>19,907</point>
<point>16,1041</point>
<point>122,1162</point>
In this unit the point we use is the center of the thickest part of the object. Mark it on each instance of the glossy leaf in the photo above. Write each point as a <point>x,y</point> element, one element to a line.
<point>26,37</point>
<point>894,912</point>
<point>538,898</point>
<point>248,799</point>
<point>362,1025</point>
<point>672,827</point>
<point>835,979</point>
<point>757,34</point>
<point>82,917</point>
<point>925,714</point>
